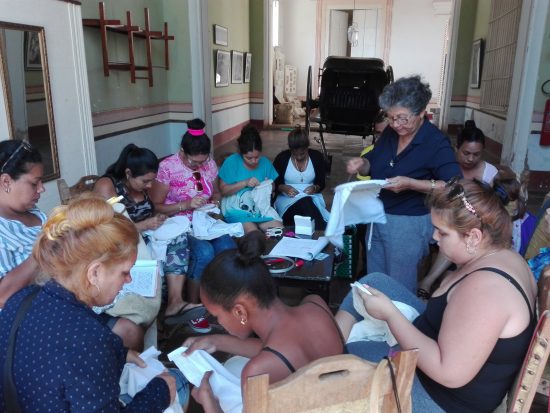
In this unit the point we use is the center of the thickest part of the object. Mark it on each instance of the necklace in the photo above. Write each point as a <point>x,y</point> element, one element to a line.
<point>300,170</point>
<point>484,256</point>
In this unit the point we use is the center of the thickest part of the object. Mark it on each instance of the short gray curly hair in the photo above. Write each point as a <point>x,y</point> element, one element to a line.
<point>408,92</point>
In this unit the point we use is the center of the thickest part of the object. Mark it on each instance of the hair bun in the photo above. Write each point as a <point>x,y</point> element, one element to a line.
<point>470,124</point>
<point>196,124</point>
<point>251,246</point>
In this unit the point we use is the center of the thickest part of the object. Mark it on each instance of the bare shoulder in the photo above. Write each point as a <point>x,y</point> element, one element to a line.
<point>265,363</point>
<point>104,187</point>
<point>316,299</point>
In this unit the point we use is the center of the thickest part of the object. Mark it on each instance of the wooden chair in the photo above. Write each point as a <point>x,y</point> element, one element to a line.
<point>533,367</point>
<point>343,383</point>
<point>84,184</point>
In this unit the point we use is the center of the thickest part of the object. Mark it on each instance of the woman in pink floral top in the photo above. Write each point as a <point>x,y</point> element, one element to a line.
<point>186,181</point>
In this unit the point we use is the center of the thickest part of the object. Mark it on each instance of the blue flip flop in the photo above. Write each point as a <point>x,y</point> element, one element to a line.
<point>185,314</point>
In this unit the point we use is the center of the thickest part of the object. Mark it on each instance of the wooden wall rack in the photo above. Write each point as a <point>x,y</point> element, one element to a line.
<point>131,31</point>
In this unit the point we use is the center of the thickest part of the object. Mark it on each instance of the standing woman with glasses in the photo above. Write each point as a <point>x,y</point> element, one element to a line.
<point>186,181</point>
<point>473,333</point>
<point>20,220</point>
<point>414,158</point>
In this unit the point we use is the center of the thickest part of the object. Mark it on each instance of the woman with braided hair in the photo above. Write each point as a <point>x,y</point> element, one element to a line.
<point>66,358</point>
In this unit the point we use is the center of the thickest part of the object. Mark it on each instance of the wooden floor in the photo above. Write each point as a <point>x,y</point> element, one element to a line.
<point>341,148</point>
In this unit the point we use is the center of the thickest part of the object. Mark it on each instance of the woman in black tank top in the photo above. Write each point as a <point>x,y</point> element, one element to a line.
<point>476,328</point>
<point>237,288</point>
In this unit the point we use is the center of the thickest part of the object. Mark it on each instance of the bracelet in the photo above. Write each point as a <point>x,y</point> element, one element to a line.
<point>433,185</point>
<point>180,208</point>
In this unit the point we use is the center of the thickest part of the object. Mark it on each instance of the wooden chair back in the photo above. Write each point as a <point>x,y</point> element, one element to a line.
<point>533,366</point>
<point>343,383</point>
<point>84,184</point>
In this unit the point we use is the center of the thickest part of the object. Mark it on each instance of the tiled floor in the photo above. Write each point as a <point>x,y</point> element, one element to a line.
<point>341,148</point>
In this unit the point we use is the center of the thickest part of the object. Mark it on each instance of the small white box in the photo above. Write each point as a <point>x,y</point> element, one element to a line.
<point>304,225</point>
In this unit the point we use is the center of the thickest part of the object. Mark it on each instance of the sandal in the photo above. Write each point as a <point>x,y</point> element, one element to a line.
<point>185,314</point>
<point>423,294</point>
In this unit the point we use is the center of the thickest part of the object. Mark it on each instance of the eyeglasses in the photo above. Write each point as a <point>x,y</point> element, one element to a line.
<point>23,145</point>
<point>198,184</point>
<point>400,120</point>
<point>192,162</point>
<point>457,191</point>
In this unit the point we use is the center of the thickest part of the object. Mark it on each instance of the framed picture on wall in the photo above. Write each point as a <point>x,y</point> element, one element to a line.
<point>475,65</point>
<point>237,67</point>
<point>247,66</point>
<point>223,68</point>
<point>221,35</point>
<point>33,60</point>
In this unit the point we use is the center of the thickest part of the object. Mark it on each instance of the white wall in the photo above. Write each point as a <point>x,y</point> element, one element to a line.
<point>62,24</point>
<point>417,41</point>
<point>297,32</point>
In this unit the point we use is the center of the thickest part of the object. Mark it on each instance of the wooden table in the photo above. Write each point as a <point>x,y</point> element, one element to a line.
<point>313,276</point>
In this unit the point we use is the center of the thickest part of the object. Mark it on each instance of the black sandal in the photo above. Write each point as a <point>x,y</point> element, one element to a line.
<point>423,294</point>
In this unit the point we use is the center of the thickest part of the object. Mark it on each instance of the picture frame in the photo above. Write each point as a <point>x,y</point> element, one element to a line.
<point>33,58</point>
<point>247,67</point>
<point>223,68</point>
<point>237,66</point>
<point>221,35</point>
<point>475,64</point>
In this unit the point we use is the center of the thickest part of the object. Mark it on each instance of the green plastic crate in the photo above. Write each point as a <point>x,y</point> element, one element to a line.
<point>348,267</point>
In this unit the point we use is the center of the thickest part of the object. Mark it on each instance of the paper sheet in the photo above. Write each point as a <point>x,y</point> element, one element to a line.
<point>144,278</point>
<point>306,249</point>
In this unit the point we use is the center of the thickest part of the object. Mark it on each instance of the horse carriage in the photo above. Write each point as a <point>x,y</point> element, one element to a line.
<point>349,88</point>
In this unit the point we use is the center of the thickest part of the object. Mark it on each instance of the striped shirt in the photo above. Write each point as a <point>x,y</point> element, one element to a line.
<point>16,241</point>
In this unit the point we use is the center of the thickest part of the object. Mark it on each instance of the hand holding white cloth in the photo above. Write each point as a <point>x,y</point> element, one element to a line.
<point>372,329</point>
<point>225,385</point>
<point>354,203</point>
<point>207,228</point>
<point>163,235</point>
<point>135,378</point>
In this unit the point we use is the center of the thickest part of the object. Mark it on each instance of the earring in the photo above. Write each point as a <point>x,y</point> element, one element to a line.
<point>469,249</point>
<point>243,321</point>
<point>8,189</point>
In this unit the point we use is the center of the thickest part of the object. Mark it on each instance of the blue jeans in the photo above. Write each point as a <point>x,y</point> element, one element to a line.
<point>182,388</point>
<point>398,247</point>
<point>201,252</point>
<point>375,350</point>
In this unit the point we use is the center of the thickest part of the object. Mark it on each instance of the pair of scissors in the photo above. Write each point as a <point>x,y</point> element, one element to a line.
<point>274,232</point>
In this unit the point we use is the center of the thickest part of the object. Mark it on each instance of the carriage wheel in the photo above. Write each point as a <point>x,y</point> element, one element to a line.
<point>309,101</point>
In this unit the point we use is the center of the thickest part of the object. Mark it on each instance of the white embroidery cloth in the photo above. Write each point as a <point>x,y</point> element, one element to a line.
<point>163,235</point>
<point>134,378</point>
<point>354,203</point>
<point>261,195</point>
<point>372,329</point>
<point>206,227</point>
<point>226,387</point>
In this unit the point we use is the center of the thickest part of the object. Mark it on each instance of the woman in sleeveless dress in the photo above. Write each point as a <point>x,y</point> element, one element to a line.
<point>474,331</point>
<point>238,289</point>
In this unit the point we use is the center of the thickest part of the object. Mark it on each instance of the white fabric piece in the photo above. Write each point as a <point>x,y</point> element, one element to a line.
<point>226,387</point>
<point>206,227</point>
<point>134,378</point>
<point>163,235</point>
<point>261,195</point>
<point>354,203</point>
<point>372,329</point>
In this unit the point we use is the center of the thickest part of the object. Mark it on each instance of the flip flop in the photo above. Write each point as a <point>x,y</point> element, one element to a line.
<point>185,314</point>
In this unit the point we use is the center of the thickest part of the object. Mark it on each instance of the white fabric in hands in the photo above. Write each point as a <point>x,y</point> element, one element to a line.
<point>206,227</point>
<point>354,203</point>
<point>163,235</point>
<point>226,387</point>
<point>135,378</point>
<point>372,329</point>
<point>261,195</point>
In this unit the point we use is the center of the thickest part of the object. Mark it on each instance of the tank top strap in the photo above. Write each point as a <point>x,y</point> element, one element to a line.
<point>505,275</point>
<point>281,357</point>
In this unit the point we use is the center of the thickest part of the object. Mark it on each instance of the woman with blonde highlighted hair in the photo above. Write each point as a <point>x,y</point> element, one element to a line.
<point>66,358</point>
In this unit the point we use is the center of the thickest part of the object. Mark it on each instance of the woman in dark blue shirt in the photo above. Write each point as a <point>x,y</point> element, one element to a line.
<point>66,359</point>
<point>414,157</point>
